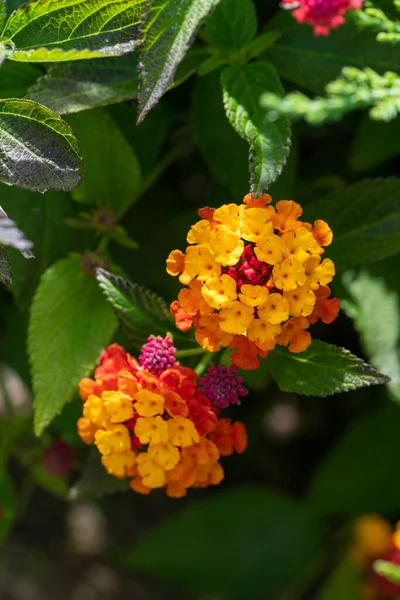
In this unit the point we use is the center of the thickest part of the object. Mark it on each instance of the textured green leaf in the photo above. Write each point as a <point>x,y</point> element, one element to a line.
<point>374,143</point>
<point>56,30</point>
<point>313,61</point>
<point>343,583</point>
<point>357,475</point>
<point>37,149</point>
<point>41,217</point>
<point>321,370</point>
<point>3,12</point>
<point>268,538</point>
<point>140,312</point>
<point>260,44</point>
<point>169,28</point>
<point>11,236</point>
<point>72,87</point>
<point>364,218</point>
<point>16,78</point>
<point>112,173</point>
<point>5,267</point>
<point>70,324</point>
<point>375,309</point>
<point>232,25</point>
<point>224,152</point>
<point>269,141</point>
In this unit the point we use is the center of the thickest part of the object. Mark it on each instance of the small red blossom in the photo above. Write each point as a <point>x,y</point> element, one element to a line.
<point>323,15</point>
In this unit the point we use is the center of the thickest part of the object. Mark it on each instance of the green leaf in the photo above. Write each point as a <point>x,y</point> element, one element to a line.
<point>224,152</point>
<point>388,570</point>
<point>57,30</point>
<point>41,218</point>
<point>169,28</point>
<point>140,312</point>
<point>37,149</point>
<point>3,12</point>
<point>375,309</point>
<point>112,174</point>
<point>72,87</point>
<point>232,25</point>
<point>374,143</point>
<point>269,141</point>
<point>267,538</point>
<point>53,484</point>
<point>313,61</point>
<point>343,583</point>
<point>70,325</point>
<point>357,475</point>
<point>2,50</point>
<point>364,219</point>
<point>261,43</point>
<point>16,78</point>
<point>5,267</point>
<point>11,236</point>
<point>321,370</point>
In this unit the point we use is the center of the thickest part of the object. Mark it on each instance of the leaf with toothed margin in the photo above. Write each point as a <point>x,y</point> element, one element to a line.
<point>269,141</point>
<point>321,370</point>
<point>80,85</point>
<point>70,324</point>
<point>139,310</point>
<point>5,267</point>
<point>38,150</point>
<point>169,27</point>
<point>58,30</point>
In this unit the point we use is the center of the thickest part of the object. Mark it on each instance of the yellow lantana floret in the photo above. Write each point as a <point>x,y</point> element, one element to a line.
<point>228,215</point>
<point>200,263</point>
<point>151,430</point>
<point>119,464</point>
<point>226,246</point>
<point>200,233</point>
<point>118,406</point>
<point>153,476</point>
<point>149,404</point>
<point>114,439</point>
<point>289,274</point>
<point>270,249</point>
<point>237,318</point>
<point>166,455</point>
<point>94,410</point>
<point>319,273</point>
<point>182,432</point>
<point>255,223</point>
<point>253,295</point>
<point>302,301</point>
<point>275,310</point>
<point>263,334</point>
<point>219,292</point>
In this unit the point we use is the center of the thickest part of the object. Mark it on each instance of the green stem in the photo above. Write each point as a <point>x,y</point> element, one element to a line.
<point>190,352</point>
<point>203,363</point>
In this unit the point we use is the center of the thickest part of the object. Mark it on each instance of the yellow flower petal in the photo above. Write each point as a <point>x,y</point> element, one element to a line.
<point>219,292</point>
<point>253,295</point>
<point>236,318</point>
<point>275,310</point>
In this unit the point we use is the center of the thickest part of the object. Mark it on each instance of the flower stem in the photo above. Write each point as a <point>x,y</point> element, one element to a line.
<point>190,352</point>
<point>203,363</point>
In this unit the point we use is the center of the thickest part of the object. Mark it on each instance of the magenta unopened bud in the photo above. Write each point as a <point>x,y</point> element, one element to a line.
<point>158,354</point>
<point>59,459</point>
<point>222,386</point>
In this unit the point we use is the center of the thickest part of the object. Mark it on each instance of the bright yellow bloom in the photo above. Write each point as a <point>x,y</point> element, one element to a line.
<point>226,246</point>
<point>219,292</point>
<point>302,301</point>
<point>118,406</point>
<point>200,233</point>
<point>228,215</point>
<point>114,439</point>
<point>200,263</point>
<point>270,249</point>
<point>94,410</point>
<point>151,430</point>
<point>119,464</point>
<point>182,432</point>
<point>275,310</point>
<point>237,318</point>
<point>253,295</point>
<point>153,476</point>
<point>263,334</point>
<point>289,274</point>
<point>255,223</point>
<point>299,244</point>
<point>166,455</point>
<point>149,404</point>
<point>319,273</point>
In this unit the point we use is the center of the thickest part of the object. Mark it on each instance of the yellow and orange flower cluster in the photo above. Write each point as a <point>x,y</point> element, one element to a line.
<point>374,539</point>
<point>158,430</point>
<point>255,278</point>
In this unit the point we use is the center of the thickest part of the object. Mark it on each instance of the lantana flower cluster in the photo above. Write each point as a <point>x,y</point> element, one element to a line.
<point>153,424</point>
<point>323,15</point>
<point>254,277</point>
<point>373,540</point>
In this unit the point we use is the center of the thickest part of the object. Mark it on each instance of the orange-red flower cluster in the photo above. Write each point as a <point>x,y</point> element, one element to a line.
<point>255,278</point>
<point>158,430</point>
